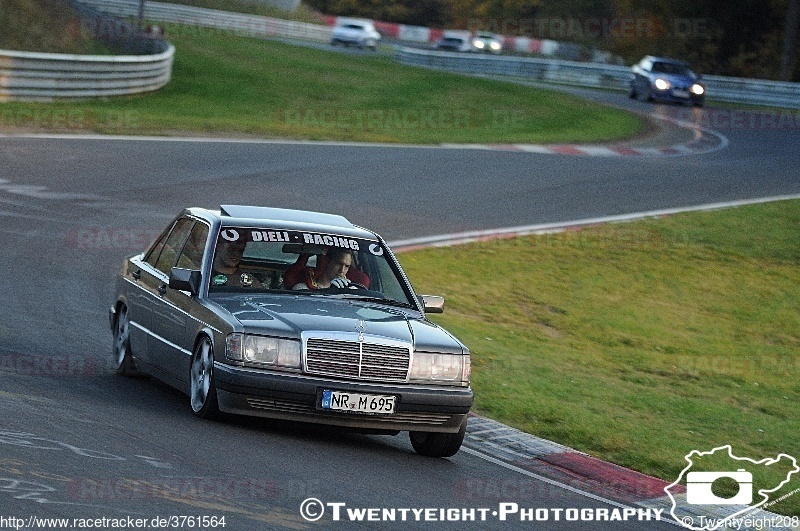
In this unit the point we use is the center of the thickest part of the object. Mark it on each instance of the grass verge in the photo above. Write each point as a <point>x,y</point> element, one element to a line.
<point>637,342</point>
<point>224,84</point>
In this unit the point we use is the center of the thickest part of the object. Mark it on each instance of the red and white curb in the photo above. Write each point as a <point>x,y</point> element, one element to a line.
<point>563,468</point>
<point>559,466</point>
<point>703,141</point>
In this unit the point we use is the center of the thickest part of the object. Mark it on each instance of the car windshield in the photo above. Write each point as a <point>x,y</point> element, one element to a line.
<point>252,260</point>
<point>672,68</point>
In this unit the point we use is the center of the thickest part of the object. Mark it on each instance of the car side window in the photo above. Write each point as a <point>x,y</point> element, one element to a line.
<point>152,254</point>
<point>191,256</point>
<point>172,245</point>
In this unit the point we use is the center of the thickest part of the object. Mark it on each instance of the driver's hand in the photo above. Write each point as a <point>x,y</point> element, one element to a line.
<point>340,282</point>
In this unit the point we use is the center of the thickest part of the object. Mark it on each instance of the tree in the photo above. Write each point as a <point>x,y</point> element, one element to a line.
<point>789,53</point>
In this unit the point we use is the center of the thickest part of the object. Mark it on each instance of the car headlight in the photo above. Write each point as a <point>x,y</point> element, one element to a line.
<point>478,44</point>
<point>262,350</point>
<point>452,368</point>
<point>697,89</point>
<point>495,46</point>
<point>661,84</point>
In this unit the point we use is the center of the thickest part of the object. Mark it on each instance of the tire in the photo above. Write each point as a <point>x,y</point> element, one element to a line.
<point>432,444</point>
<point>202,390</point>
<point>123,357</point>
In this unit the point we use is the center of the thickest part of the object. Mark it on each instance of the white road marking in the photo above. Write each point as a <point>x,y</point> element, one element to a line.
<point>443,240</point>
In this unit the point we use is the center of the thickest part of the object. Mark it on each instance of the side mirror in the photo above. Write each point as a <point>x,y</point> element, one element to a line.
<point>432,303</point>
<point>185,280</point>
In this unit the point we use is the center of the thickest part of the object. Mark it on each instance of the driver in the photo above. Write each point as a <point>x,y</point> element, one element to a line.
<point>225,269</point>
<point>331,272</point>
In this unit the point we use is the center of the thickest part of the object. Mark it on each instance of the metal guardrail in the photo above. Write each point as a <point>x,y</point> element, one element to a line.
<point>531,69</point>
<point>144,64</point>
<point>30,76</point>
<point>237,23</point>
<point>547,70</point>
<point>25,75</point>
<point>753,91</point>
<point>590,75</point>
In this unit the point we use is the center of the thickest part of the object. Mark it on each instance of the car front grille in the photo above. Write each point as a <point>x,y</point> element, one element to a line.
<point>369,359</point>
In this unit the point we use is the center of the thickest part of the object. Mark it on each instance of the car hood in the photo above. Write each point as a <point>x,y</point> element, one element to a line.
<point>290,315</point>
<point>677,79</point>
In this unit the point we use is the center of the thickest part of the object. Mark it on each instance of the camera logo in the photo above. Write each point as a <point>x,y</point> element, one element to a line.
<point>702,501</point>
<point>698,488</point>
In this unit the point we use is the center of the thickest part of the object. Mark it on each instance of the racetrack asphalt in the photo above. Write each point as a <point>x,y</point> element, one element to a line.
<point>55,187</point>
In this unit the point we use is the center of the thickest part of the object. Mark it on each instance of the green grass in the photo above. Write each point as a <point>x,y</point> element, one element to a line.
<point>232,85</point>
<point>637,342</point>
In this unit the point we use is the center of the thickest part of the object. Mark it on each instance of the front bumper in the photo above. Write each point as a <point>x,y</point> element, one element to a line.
<point>254,392</point>
<point>669,96</point>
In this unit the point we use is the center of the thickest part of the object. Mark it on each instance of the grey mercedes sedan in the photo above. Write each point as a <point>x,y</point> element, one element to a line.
<point>291,315</point>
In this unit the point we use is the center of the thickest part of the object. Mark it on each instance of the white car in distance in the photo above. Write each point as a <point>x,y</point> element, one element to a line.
<point>361,33</point>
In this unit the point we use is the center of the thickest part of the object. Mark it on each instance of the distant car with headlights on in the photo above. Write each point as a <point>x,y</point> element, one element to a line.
<point>361,33</point>
<point>454,42</point>
<point>662,79</point>
<point>487,42</point>
<point>291,315</point>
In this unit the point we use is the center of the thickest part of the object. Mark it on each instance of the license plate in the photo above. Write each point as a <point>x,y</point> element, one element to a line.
<point>357,402</point>
<point>680,93</point>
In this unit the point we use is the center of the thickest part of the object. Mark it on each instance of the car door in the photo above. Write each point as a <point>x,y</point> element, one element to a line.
<point>165,319</point>
<point>168,347</point>
<point>175,332</point>
<point>139,296</point>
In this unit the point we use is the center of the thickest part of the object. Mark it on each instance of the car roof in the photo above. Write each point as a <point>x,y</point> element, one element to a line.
<point>342,21</point>
<point>290,219</point>
<point>657,59</point>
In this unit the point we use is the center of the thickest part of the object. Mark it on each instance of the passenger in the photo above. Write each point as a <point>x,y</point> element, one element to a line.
<point>225,268</point>
<point>331,272</point>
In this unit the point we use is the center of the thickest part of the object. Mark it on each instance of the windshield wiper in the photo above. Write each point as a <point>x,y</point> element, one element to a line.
<point>368,298</point>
